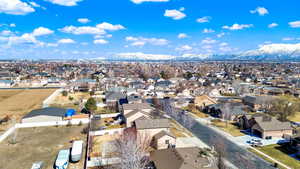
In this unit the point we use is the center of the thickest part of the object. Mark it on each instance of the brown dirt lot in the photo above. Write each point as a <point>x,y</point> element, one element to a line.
<point>17,102</point>
<point>39,144</point>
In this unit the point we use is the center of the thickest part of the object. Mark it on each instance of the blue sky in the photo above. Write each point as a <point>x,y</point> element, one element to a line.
<point>159,29</point>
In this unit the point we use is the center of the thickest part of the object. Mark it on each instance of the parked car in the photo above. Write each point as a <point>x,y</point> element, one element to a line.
<point>37,165</point>
<point>62,160</point>
<point>76,151</point>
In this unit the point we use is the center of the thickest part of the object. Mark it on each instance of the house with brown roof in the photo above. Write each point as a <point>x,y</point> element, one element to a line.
<point>127,108</point>
<point>151,127</point>
<point>134,115</point>
<point>135,111</point>
<point>180,158</point>
<point>163,140</point>
<point>265,126</point>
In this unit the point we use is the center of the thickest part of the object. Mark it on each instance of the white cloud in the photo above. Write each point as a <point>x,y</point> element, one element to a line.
<point>237,26</point>
<point>138,43</point>
<point>184,48</point>
<point>141,1</point>
<point>34,4</point>
<point>288,39</point>
<point>220,35</point>
<point>143,56</point>
<point>273,25</point>
<point>223,44</point>
<point>26,38</point>
<point>66,41</point>
<point>100,41</point>
<point>99,29</point>
<point>295,24</point>
<point>208,30</point>
<point>110,27</point>
<point>12,25</point>
<point>6,33</point>
<point>52,44</point>
<point>41,31</point>
<point>260,10</point>
<point>29,38</point>
<point>225,49</point>
<point>82,30</point>
<point>141,41</point>
<point>65,2</point>
<point>203,19</point>
<point>182,36</point>
<point>15,7</point>
<point>208,41</point>
<point>174,14</point>
<point>207,47</point>
<point>83,20</point>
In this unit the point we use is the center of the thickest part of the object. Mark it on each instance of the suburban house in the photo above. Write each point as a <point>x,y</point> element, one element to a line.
<point>230,110</point>
<point>265,126</point>
<point>253,102</point>
<point>45,115</point>
<point>163,140</point>
<point>180,158</point>
<point>112,99</point>
<point>151,127</point>
<point>203,101</point>
<point>127,108</point>
<point>135,111</point>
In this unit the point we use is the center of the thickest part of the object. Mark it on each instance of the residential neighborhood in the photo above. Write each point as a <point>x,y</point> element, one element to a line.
<point>224,116</point>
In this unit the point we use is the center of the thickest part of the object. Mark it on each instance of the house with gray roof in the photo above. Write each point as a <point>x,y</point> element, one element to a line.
<point>44,115</point>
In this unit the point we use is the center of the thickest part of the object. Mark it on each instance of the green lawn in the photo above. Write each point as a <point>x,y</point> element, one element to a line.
<point>279,153</point>
<point>229,128</point>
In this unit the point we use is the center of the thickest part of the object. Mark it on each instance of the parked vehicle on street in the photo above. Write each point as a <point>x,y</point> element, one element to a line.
<point>76,151</point>
<point>37,165</point>
<point>62,160</point>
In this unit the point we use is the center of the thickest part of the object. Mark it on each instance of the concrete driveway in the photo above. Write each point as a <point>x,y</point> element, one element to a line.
<point>244,140</point>
<point>182,142</point>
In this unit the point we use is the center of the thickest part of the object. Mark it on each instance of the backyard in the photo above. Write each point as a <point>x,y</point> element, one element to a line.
<point>281,154</point>
<point>15,103</point>
<point>39,144</point>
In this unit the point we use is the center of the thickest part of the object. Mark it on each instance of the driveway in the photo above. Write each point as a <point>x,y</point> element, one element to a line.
<point>244,140</point>
<point>182,142</point>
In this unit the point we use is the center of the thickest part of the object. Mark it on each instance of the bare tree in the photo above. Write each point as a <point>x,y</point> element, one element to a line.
<point>132,150</point>
<point>220,148</point>
<point>227,113</point>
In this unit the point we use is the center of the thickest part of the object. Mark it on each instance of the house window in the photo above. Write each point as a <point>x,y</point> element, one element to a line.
<point>167,142</point>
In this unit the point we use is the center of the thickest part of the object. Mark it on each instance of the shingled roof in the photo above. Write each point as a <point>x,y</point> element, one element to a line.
<point>152,123</point>
<point>137,106</point>
<point>49,111</point>
<point>268,123</point>
<point>179,158</point>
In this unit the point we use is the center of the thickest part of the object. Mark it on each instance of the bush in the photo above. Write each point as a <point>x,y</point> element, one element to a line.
<point>71,98</point>
<point>64,93</point>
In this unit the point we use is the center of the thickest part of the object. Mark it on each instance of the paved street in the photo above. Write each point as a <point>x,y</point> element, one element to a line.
<point>235,153</point>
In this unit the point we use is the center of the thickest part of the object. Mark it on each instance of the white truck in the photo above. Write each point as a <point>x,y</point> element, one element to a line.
<point>62,160</point>
<point>76,151</point>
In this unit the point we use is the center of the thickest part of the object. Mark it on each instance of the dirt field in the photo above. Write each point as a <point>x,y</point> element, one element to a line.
<point>16,103</point>
<point>39,144</point>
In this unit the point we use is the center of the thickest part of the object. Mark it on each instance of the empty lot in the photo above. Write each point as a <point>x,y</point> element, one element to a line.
<point>17,102</point>
<point>39,144</point>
